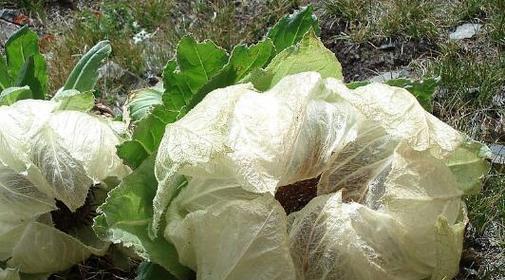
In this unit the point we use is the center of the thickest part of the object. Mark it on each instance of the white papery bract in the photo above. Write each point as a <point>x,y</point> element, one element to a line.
<point>389,198</point>
<point>48,154</point>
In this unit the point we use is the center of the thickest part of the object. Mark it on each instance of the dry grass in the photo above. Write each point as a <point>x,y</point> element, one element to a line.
<point>225,22</point>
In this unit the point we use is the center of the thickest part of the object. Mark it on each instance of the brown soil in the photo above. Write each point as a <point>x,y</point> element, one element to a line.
<point>295,196</point>
<point>362,61</point>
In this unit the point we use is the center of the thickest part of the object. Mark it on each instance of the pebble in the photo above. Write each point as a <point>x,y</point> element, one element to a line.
<point>498,153</point>
<point>465,31</point>
<point>390,75</point>
<point>6,30</point>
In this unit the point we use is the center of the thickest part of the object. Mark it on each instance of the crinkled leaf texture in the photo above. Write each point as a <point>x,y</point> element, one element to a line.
<point>249,236</point>
<point>389,184</point>
<point>49,154</point>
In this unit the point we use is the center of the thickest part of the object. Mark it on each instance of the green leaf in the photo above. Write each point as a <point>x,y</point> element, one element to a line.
<point>126,216</point>
<point>74,100</point>
<point>33,74</point>
<point>357,84</point>
<point>146,136</point>
<point>243,60</point>
<point>5,80</point>
<point>141,102</point>
<point>196,64</point>
<point>308,55</point>
<point>152,271</point>
<point>25,62</point>
<point>11,95</point>
<point>85,74</point>
<point>423,90</point>
<point>468,166</point>
<point>291,28</point>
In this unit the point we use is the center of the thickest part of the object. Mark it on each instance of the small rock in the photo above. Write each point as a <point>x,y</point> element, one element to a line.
<point>15,16</point>
<point>465,31</point>
<point>390,75</point>
<point>111,70</point>
<point>116,72</point>
<point>498,153</point>
<point>387,46</point>
<point>152,80</point>
<point>8,14</point>
<point>6,30</point>
<point>499,99</point>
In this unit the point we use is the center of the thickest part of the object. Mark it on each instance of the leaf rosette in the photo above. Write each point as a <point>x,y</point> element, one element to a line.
<point>280,170</point>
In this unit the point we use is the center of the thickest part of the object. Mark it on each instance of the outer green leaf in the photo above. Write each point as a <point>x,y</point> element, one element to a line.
<point>196,64</point>
<point>141,102</point>
<point>152,271</point>
<point>309,55</point>
<point>146,136</point>
<point>85,74</point>
<point>74,100</point>
<point>243,60</point>
<point>11,95</point>
<point>33,74</point>
<point>291,29</point>
<point>25,63</point>
<point>5,79</point>
<point>126,216</point>
<point>357,84</point>
<point>468,166</point>
<point>20,46</point>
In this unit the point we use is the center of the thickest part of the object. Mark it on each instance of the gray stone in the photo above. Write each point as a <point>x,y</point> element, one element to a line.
<point>111,70</point>
<point>499,99</point>
<point>498,153</point>
<point>465,31</point>
<point>114,71</point>
<point>6,30</point>
<point>9,14</point>
<point>390,75</point>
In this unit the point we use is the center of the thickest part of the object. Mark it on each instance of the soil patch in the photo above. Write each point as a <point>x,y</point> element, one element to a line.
<point>362,61</point>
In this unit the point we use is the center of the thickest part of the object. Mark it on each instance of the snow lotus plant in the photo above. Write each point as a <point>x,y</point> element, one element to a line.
<point>386,178</point>
<point>56,159</point>
<point>264,164</point>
